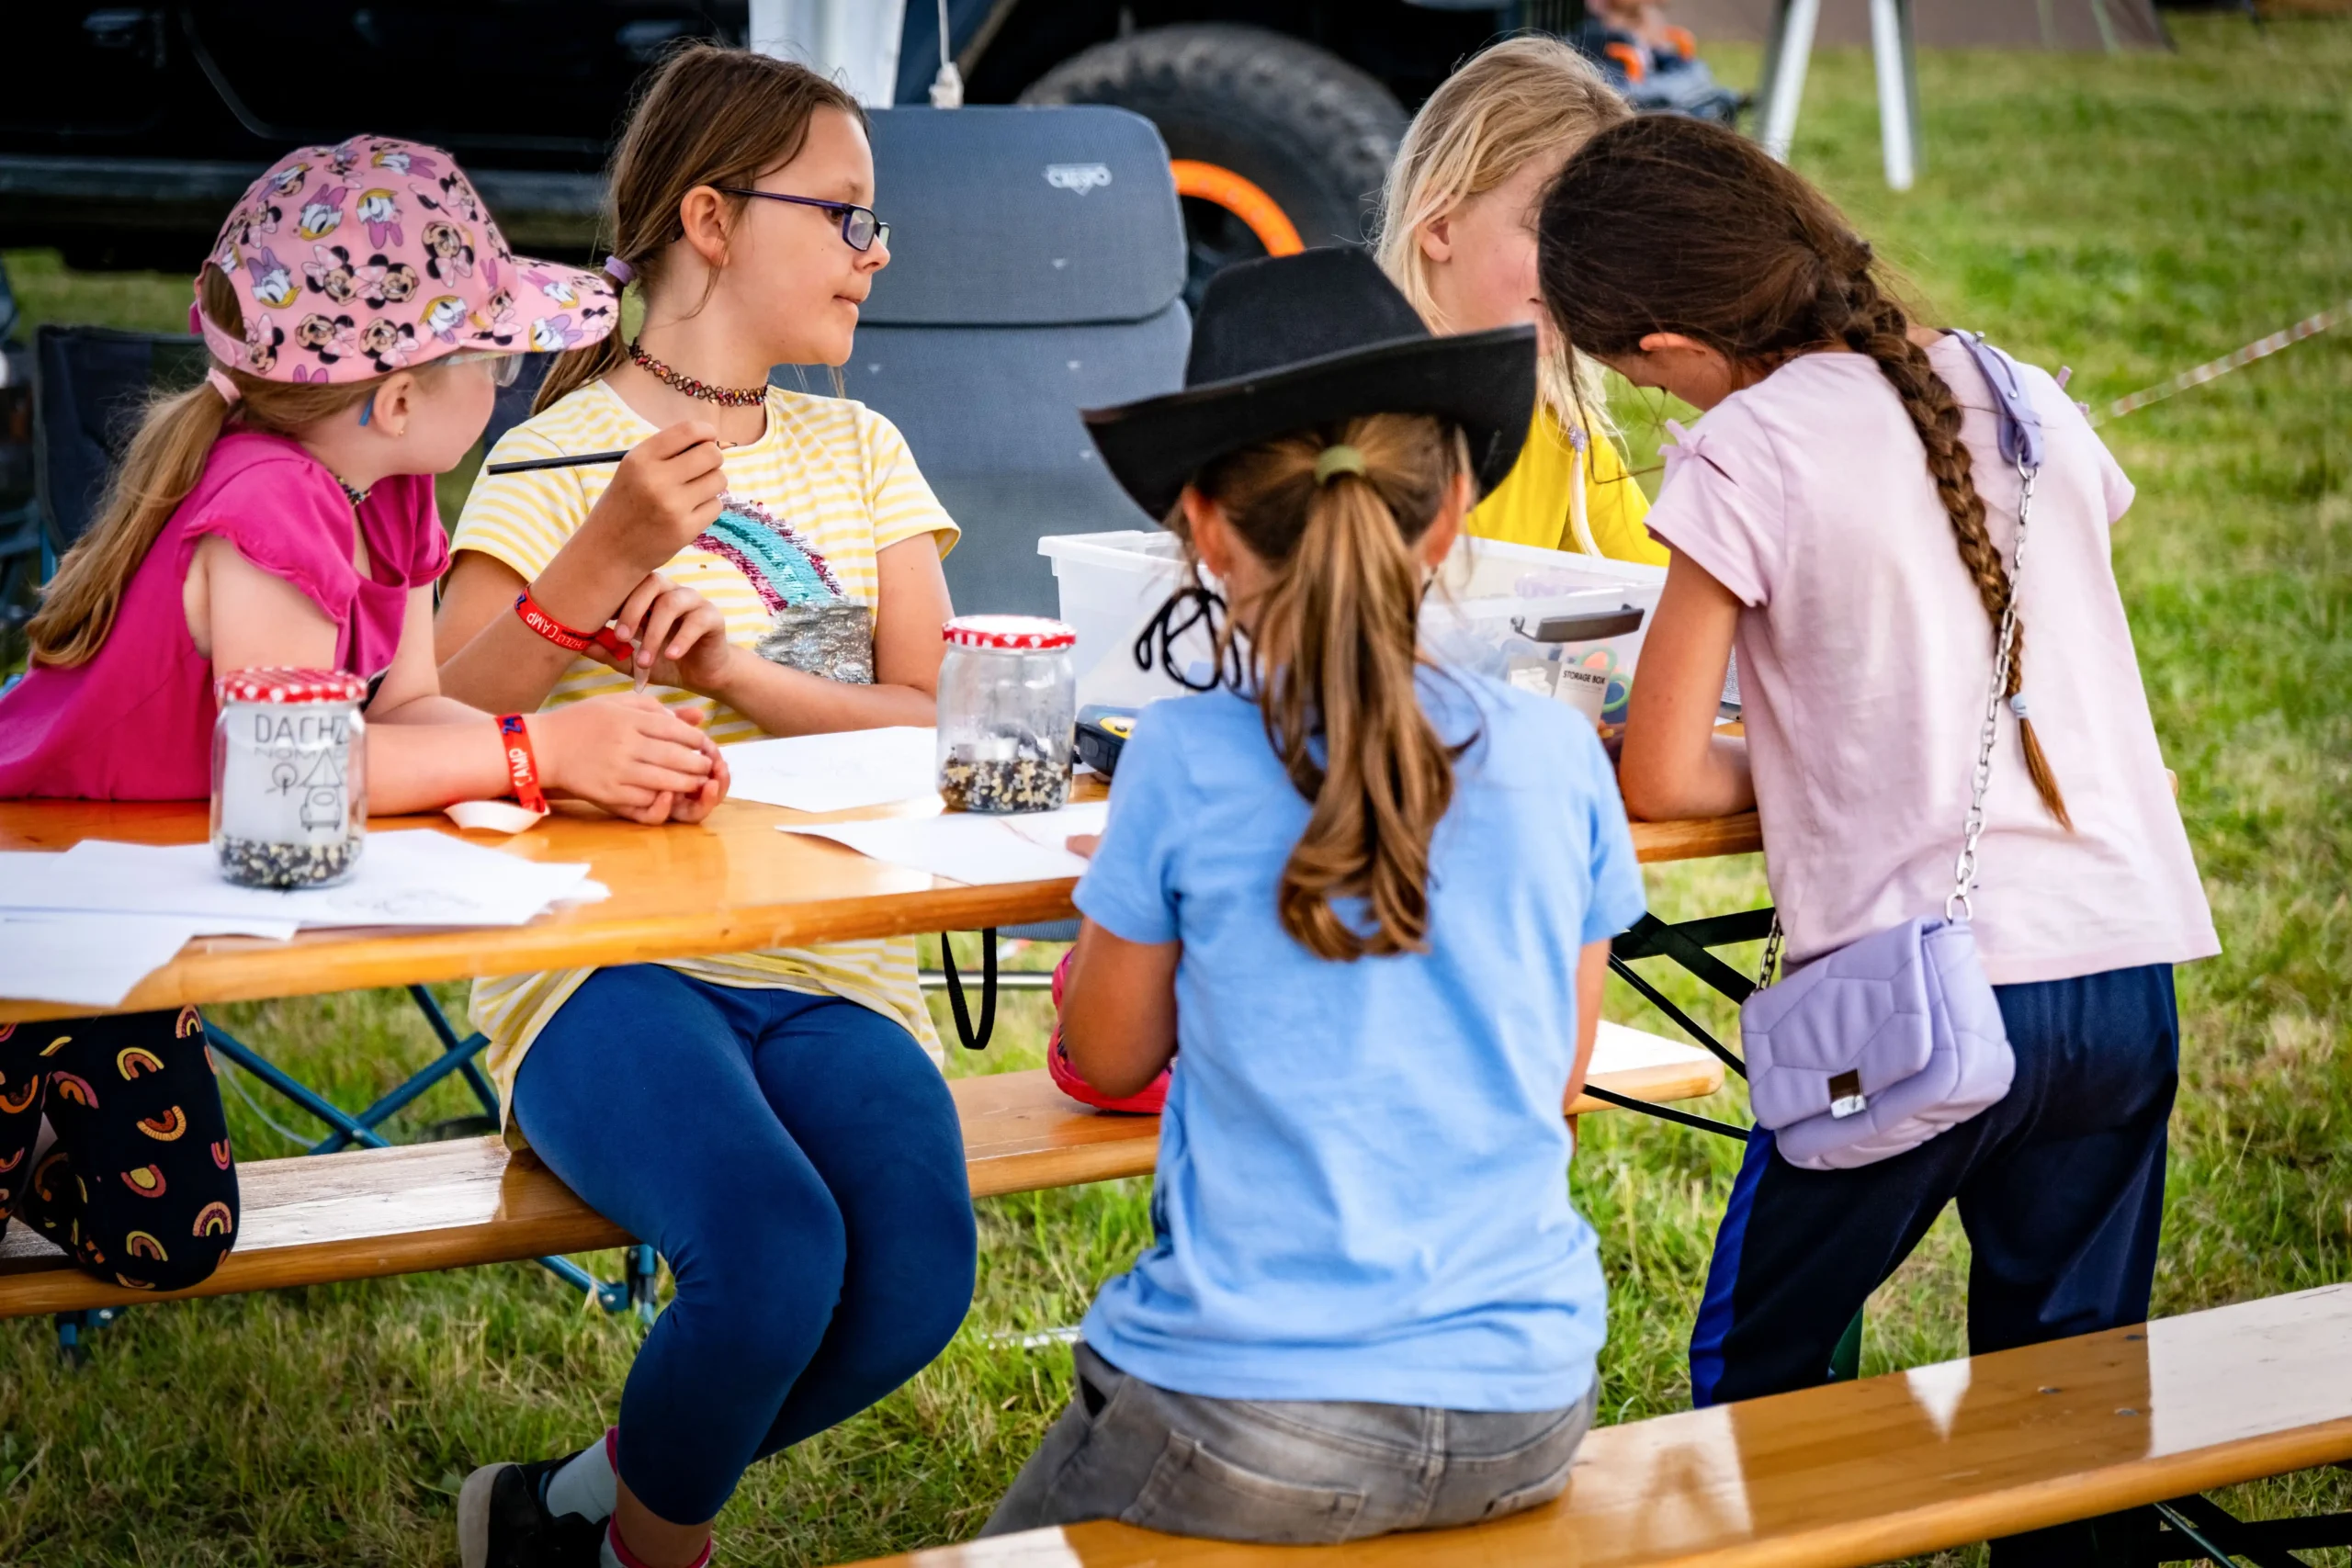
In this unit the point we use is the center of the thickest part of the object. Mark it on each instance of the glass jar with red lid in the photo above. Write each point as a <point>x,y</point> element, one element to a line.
<point>289,776</point>
<point>1008,713</point>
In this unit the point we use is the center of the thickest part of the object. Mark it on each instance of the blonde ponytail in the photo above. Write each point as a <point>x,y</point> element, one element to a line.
<point>1332,641</point>
<point>165,460</point>
<point>163,464</point>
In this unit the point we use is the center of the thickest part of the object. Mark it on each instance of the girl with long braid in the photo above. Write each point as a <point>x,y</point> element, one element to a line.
<point>1814,514</point>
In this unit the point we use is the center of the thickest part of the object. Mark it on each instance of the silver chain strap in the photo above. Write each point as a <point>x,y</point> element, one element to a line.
<point>1959,905</point>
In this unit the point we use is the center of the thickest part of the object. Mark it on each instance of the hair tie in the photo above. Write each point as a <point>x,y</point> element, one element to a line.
<point>1337,459</point>
<point>619,271</point>
<point>222,385</point>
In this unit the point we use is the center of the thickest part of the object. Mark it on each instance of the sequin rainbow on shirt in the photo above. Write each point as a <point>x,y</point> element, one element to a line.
<point>781,567</point>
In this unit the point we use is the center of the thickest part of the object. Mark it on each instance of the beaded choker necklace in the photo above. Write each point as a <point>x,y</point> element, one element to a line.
<point>352,491</point>
<point>726,397</point>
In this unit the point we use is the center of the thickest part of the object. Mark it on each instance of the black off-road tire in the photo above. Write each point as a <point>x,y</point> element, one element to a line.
<point>1314,132</point>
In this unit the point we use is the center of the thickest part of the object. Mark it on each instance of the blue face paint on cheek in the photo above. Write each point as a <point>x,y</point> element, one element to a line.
<point>368,410</point>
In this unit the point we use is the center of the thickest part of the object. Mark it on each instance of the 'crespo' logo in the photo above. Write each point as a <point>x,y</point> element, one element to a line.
<point>1078,178</point>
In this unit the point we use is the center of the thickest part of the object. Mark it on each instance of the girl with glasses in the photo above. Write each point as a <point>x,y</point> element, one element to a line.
<point>774,1122</point>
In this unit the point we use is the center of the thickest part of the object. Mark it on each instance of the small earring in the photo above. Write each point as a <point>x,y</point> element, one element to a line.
<point>367,409</point>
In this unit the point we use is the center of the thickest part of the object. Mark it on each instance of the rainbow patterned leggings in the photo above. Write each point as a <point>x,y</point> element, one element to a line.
<point>140,1187</point>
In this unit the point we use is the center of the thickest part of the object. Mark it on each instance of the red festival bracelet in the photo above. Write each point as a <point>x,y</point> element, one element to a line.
<point>522,761</point>
<point>564,636</point>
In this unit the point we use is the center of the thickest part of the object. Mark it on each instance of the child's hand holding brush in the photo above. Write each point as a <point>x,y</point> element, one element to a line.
<point>667,635</point>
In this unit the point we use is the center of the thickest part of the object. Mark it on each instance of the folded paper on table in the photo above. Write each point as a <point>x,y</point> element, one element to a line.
<point>967,847</point>
<point>493,816</point>
<point>408,878</point>
<point>85,960</point>
<point>836,773</point>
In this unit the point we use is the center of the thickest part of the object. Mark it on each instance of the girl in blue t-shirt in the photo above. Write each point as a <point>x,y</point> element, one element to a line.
<point>1372,900</point>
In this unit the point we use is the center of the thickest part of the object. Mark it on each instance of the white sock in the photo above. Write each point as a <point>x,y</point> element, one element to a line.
<point>585,1486</point>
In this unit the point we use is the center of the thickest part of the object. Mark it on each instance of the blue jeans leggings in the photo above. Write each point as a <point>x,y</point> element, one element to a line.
<point>798,1160</point>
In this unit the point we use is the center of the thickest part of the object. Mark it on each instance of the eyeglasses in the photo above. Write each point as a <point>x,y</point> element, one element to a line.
<point>504,367</point>
<point>860,228</point>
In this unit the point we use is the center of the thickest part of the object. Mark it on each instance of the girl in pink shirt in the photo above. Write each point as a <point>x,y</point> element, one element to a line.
<point>1842,514</point>
<point>281,514</point>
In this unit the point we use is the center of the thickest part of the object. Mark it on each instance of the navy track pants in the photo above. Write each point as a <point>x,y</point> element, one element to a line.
<point>2060,1187</point>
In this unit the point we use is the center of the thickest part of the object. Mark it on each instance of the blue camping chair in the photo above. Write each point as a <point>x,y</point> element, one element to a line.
<point>1036,265</point>
<point>89,385</point>
<point>1037,257</point>
<point>22,562</point>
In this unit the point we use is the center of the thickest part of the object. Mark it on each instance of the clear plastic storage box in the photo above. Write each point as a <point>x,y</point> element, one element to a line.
<point>1487,611</point>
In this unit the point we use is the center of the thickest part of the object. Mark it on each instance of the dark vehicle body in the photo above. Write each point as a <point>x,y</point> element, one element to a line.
<point>127,131</point>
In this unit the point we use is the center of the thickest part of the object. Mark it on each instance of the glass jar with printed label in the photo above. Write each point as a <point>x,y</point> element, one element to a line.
<point>1008,713</point>
<point>289,776</point>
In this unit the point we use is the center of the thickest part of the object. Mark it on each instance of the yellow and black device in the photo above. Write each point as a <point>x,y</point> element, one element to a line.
<point>1102,732</point>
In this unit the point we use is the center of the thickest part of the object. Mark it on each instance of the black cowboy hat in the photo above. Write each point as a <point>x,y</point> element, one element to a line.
<point>1290,343</point>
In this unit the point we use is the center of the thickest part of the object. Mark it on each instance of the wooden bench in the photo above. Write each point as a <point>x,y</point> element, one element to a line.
<point>1863,1472</point>
<point>313,1219</point>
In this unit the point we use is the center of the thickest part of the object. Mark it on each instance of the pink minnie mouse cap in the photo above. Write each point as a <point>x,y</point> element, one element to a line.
<point>355,260</point>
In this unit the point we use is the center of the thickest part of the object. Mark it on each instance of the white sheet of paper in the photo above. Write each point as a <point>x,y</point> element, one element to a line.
<point>1054,829</point>
<point>29,881</point>
<point>968,847</point>
<point>85,960</point>
<point>836,773</point>
<point>411,878</point>
<point>1617,1049</point>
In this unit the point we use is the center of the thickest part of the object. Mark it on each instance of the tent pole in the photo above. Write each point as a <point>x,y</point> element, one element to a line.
<point>2106,28</point>
<point>1791,51</point>
<point>1897,120</point>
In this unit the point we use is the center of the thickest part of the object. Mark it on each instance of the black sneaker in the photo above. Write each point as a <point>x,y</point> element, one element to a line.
<point>502,1523</point>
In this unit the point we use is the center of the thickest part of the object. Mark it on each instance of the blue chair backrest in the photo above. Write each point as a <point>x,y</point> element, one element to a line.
<point>1037,257</point>
<point>89,387</point>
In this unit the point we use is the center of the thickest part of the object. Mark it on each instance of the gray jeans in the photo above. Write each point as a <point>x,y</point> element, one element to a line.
<point>1287,1472</point>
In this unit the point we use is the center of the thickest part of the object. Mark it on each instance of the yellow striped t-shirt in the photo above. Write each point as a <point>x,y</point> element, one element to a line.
<point>833,480</point>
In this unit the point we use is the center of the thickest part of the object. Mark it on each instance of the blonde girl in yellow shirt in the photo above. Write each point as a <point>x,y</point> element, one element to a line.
<point>1458,238</point>
<point>774,1122</point>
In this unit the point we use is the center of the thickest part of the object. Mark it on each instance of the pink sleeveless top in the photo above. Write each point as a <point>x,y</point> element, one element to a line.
<point>135,722</point>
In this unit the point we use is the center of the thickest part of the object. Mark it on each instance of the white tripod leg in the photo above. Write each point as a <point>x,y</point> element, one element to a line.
<point>1791,52</point>
<point>1897,112</point>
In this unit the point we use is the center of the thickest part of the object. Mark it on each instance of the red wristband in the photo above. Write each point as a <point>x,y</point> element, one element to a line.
<point>564,636</point>
<point>522,762</point>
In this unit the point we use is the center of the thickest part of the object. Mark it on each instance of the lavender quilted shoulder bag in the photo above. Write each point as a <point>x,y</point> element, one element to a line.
<point>1877,1047</point>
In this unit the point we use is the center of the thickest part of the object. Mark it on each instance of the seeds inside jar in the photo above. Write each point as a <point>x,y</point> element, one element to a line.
<point>254,862</point>
<point>1004,774</point>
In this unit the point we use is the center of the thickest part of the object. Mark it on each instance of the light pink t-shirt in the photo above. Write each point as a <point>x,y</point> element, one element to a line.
<point>1864,657</point>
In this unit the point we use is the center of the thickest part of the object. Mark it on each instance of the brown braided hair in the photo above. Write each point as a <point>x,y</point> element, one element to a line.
<point>1663,224</point>
<point>1332,643</point>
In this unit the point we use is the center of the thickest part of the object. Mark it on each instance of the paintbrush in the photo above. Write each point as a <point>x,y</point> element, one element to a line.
<point>573,461</point>
<point>570,460</point>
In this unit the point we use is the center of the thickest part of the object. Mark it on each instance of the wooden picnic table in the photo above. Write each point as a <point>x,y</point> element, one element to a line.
<point>728,885</point>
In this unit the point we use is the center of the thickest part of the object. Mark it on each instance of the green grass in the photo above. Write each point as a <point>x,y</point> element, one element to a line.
<point>2130,216</point>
